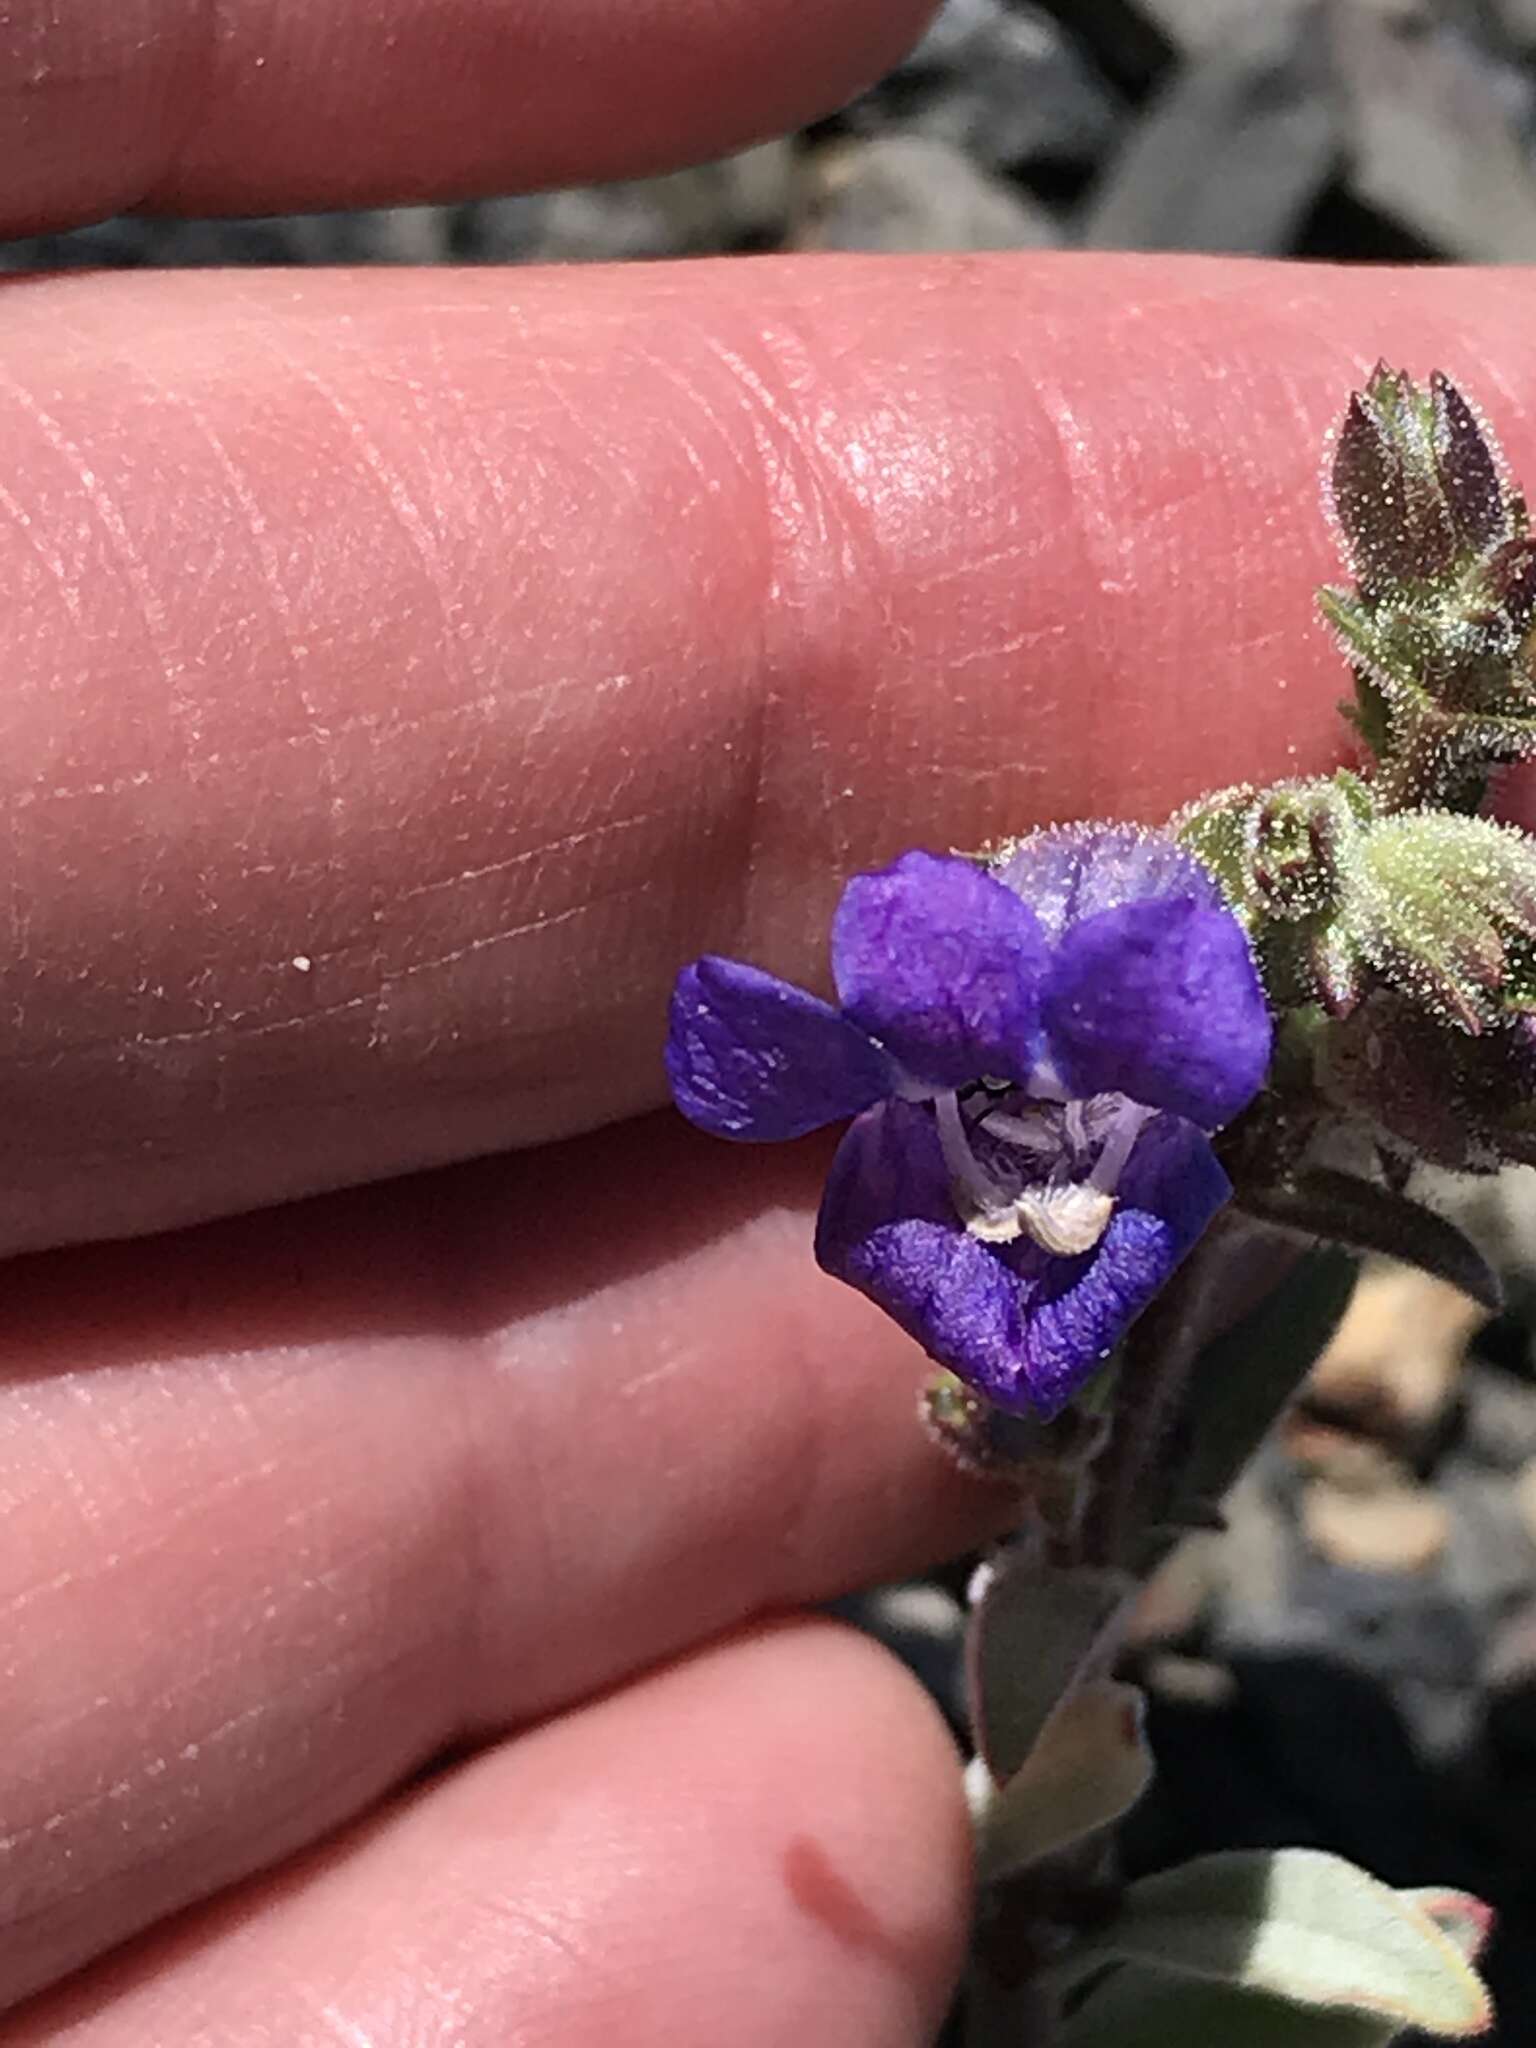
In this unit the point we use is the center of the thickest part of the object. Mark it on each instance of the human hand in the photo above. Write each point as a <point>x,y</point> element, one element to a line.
<point>405,673</point>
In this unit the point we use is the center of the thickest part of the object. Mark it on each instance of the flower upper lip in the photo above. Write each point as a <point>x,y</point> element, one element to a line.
<point>946,973</point>
<point>1092,965</point>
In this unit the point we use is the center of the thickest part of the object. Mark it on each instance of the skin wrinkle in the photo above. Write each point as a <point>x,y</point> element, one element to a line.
<point>233,1024</point>
<point>809,499</point>
<point>412,521</point>
<point>747,743</point>
<point>185,1819</point>
<point>467,1267</point>
<point>185,1824</point>
<point>258,529</point>
<point>152,617</point>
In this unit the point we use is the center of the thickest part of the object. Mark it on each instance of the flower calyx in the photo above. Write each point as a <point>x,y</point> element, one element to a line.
<point>1442,909</point>
<point>1281,855</point>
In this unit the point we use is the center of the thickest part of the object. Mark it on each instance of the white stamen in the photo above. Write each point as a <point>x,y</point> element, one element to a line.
<point>1118,1147</point>
<point>1063,1216</point>
<point>974,1189</point>
<point>1077,1129</point>
<point>1030,1136</point>
<point>1065,1220</point>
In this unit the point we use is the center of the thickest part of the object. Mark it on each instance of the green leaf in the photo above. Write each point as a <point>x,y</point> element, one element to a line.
<point>1032,1633</point>
<point>1243,1379</point>
<point>1366,1217</point>
<point>1090,1765</point>
<point>1143,2008</point>
<point>1302,1926</point>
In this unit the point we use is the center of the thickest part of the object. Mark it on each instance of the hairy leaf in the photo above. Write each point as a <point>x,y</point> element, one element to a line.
<point>1032,1634</point>
<point>1144,2008</point>
<point>1366,1217</point>
<point>1243,1379</point>
<point>1090,1765</point>
<point>1302,1926</point>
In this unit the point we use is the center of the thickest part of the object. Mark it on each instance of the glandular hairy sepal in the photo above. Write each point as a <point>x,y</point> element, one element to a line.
<point>1418,483</point>
<point>1042,1460</point>
<point>1443,909</point>
<point>1392,512</point>
<point>1219,830</point>
<point>1276,851</point>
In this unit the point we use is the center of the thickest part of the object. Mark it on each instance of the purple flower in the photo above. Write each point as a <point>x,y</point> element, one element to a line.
<point>1034,1055</point>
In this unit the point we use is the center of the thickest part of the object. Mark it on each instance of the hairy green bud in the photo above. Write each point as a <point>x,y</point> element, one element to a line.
<point>1443,909</point>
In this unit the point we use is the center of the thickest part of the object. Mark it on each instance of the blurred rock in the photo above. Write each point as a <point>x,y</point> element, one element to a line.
<point>404,234</point>
<point>1174,1598</point>
<point>908,192</point>
<point>1525,1498</point>
<point>1233,152</point>
<point>1499,1419</point>
<point>1517,18</point>
<point>1005,83</point>
<point>1391,1372</point>
<point>1490,1565</point>
<point>740,202</point>
<point>1391,1529</point>
<point>1358,1464</point>
<point>1194,26</point>
<point>1435,133</point>
<point>1189,1681</point>
<point>1496,1210</point>
<point>1121,36</point>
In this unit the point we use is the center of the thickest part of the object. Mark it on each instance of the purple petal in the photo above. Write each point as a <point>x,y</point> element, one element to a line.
<point>887,1226</point>
<point>1171,1188</point>
<point>943,965</point>
<point>1077,871</point>
<point>1175,1176</point>
<point>1160,1001</point>
<point>750,1056</point>
<point>1024,1328</point>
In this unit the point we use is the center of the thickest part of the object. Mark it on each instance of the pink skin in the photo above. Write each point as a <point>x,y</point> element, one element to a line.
<point>341,633</point>
<point>493,642</point>
<point>255,106</point>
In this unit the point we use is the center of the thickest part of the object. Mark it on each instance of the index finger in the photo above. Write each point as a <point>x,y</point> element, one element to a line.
<point>253,106</point>
<point>407,672</point>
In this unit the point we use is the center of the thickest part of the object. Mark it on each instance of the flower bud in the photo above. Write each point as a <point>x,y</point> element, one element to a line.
<point>1443,909</point>
<point>1419,486</point>
<point>1439,626</point>
<point>1278,855</point>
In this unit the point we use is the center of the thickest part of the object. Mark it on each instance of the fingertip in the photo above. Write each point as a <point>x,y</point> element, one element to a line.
<point>766,1842</point>
<point>334,105</point>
